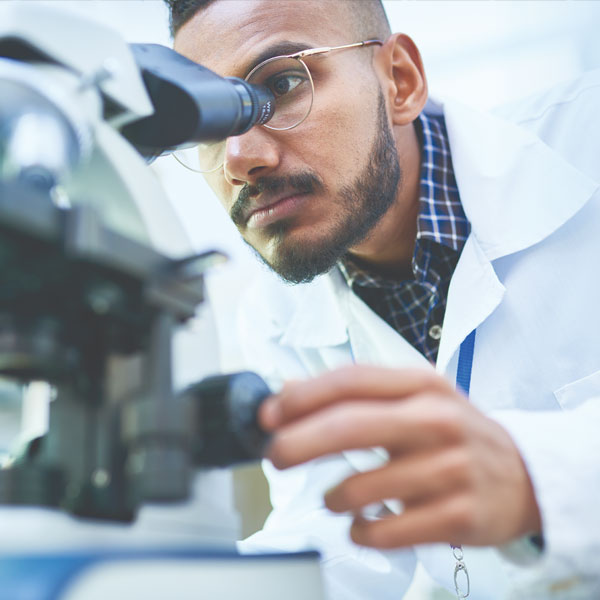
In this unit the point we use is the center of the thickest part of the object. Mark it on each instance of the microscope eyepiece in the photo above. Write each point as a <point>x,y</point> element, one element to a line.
<point>192,104</point>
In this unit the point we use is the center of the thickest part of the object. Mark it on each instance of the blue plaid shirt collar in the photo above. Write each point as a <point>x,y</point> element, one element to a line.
<point>441,216</point>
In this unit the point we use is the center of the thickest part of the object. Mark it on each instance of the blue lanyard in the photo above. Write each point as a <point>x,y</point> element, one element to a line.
<point>465,363</point>
<point>463,382</point>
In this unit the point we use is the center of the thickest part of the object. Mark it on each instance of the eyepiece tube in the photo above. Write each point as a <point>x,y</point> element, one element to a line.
<point>191,103</point>
<point>258,103</point>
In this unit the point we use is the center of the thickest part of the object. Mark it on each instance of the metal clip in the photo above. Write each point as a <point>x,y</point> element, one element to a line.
<point>461,567</point>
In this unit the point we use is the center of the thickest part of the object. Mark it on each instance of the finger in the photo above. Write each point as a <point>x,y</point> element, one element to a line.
<point>414,478</point>
<point>449,519</point>
<point>270,414</point>
<point>399,427</point>
<point>356,382</point>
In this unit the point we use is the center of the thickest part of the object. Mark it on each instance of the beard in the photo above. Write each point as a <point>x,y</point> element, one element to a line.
<point>362,204</point>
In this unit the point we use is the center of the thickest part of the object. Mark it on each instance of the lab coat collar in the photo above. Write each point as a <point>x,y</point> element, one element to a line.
<point>514,189</point>
<point>318,320</point>
<point>474,293</point>
<point>329,314</point>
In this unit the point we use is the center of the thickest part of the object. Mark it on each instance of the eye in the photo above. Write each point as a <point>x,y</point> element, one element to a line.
<point>285,82</point>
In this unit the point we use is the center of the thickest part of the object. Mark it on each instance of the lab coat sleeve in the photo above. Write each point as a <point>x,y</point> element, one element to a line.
<point>259,332</point>
<point>561,450</point>
<point>300,521</point>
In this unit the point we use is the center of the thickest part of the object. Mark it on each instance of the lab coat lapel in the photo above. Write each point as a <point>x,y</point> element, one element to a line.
<point>515,192</point>
<point>329,316</point>
<point>373,341</point>
<point>514,189</point>
<point>474,294</point>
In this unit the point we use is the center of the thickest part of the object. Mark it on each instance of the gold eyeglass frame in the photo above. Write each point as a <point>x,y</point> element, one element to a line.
<point>299,56</point>
<point>304,54</point>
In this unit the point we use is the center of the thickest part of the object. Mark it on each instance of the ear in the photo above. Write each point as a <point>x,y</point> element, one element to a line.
<point>400,69</point>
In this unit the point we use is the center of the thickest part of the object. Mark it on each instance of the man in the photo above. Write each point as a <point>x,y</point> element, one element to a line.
<point>431,235</point>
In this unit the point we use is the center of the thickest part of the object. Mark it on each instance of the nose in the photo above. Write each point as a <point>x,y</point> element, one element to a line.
<point>250,156</point>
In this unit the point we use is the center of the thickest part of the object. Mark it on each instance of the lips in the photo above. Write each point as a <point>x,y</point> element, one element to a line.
<point>270,198</point>
<point>271,210</point>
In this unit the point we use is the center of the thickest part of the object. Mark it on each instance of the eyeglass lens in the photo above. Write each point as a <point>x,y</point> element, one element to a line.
<point>290,82</point>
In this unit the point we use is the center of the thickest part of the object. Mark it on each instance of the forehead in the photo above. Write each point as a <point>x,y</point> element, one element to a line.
<point>228,34</point>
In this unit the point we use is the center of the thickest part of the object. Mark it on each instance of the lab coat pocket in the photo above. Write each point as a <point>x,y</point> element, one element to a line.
<point>578,392</point>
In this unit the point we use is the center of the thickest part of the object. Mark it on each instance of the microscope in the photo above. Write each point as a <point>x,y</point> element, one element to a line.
<point>89,306</point>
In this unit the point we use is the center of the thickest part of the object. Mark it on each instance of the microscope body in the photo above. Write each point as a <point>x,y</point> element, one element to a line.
<point>124,481</point>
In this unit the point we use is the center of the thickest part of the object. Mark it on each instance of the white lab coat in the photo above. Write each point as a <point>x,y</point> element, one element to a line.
<point>527,281</point>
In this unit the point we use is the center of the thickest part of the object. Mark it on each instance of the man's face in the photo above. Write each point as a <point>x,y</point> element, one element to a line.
<point>301,198</point>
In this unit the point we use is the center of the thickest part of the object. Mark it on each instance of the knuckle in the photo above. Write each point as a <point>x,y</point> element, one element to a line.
<point>369,533</point>
<point>277,453</point>
<point>463,518</point>
<point>339,428</point>
<point>450,422</point>
<point>344,379</point>
<point>339,422</point>
<point>431,379</point>
<point>435,382</point>
<point>459,467</point>
<point>346,496</point>
<point>290,408</point>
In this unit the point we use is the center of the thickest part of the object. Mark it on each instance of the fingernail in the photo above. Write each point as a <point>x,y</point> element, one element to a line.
<point>270,413</point>
<point>329,494</point>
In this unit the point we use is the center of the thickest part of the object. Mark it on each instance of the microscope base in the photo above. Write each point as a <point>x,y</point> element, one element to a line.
<point>158,575</point>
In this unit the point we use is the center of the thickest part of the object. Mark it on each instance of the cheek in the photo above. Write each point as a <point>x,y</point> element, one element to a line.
<point>340,127</point>
<point>338,135</point>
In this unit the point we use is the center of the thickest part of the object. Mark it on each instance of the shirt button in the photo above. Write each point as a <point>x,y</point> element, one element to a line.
<point>435,332</point>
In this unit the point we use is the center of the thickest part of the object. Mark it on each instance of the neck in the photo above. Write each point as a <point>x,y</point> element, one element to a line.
<point>390,245</point>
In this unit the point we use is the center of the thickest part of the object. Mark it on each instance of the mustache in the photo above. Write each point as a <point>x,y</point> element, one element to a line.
<point>302,183</point>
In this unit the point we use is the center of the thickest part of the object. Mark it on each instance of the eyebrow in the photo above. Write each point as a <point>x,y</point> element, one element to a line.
<point>279,49</point>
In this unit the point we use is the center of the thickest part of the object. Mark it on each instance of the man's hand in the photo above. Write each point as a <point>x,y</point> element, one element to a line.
<point>458,473</point>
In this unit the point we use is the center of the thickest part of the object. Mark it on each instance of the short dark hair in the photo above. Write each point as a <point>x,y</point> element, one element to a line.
<point>181,11</point>
<point>369,16</point>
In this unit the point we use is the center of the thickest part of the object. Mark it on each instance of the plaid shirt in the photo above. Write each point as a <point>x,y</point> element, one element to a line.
<point>415,307</point>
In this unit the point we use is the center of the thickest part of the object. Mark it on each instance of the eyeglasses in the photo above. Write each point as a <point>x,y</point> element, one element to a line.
<point>289,79</point>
